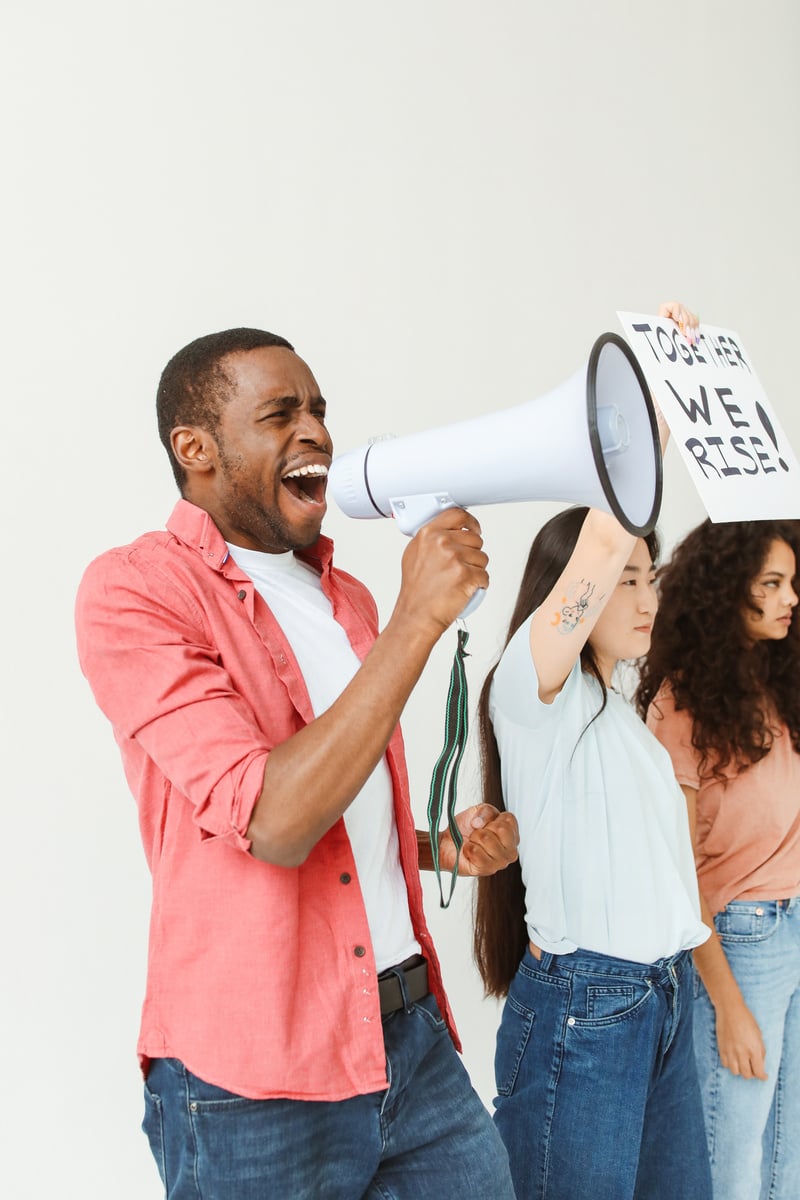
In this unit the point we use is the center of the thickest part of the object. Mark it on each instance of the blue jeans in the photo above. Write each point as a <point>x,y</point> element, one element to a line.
<point>596,1080</point>
<point>427,1136</point>
<point>753,1125</point>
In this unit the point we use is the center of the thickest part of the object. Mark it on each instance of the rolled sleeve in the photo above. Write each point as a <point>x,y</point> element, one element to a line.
<point>156,674</point>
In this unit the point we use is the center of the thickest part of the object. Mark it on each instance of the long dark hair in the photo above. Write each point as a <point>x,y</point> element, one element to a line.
<point>500,933</point>
<point>733,689</point>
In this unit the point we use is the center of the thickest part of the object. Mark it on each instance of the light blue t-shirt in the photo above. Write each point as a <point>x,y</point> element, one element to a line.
<point>605,849</point>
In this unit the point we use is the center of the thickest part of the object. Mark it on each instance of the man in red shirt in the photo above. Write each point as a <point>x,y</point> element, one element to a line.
<point>294,1030</point>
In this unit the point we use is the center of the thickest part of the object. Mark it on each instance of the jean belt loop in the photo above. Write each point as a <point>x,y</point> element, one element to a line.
<point>546,962</point>
<point>679,964</point>
<point>400,976</point>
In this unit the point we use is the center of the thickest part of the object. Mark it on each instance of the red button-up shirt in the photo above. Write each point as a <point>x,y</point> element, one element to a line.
<point>261,978</point>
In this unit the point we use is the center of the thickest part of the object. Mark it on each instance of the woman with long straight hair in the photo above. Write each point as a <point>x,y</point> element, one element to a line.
<point>721,691</point>
<point>589,938</point>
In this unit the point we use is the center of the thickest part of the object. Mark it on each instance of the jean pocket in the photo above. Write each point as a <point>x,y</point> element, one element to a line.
<point>208,1098</point>
<point>428,1009</point>
<point>153,1127</point>
<point>512,1039</point>
<point>747,921</point>
<point>600,1004</point>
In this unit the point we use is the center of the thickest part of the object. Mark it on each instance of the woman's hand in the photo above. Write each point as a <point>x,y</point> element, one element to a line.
<point>687,321</point>
<point>739,1041</point>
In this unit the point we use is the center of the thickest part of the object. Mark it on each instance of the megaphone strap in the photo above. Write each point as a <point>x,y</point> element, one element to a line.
<point>445,772</point>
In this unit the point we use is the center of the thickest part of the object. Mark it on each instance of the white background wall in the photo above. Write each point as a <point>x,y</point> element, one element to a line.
<point>442,203</point>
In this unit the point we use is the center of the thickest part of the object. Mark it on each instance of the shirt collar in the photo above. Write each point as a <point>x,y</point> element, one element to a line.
<point>193,526</point>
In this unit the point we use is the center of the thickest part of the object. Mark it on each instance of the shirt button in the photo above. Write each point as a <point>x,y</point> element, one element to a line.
<point>242,595</point>
<point>344,877</point>
<point>359,951</point>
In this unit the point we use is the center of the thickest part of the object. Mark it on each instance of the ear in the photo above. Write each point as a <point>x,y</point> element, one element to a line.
<point>194,448</point>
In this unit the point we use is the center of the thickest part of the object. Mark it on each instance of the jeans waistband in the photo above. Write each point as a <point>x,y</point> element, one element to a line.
<point>765,908</point>
<point>662,970</point>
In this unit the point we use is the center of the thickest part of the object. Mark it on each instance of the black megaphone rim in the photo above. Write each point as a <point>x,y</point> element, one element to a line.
<point>594,435</point>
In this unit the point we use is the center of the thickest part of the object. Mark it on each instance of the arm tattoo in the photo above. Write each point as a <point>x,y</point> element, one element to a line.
<point>575,606</point>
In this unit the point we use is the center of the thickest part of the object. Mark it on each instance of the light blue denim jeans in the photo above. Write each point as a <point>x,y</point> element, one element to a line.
<point>753,1126</point>
<point>598,1095</point>
<point>427,1137</point>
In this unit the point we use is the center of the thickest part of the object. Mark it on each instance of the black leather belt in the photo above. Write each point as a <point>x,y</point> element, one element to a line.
<point>415,975</point>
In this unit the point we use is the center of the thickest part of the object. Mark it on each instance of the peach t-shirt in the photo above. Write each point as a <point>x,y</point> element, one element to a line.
<point>748,826</point>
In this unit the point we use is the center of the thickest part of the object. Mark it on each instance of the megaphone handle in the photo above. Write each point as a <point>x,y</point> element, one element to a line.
<point>474,602</point>
<point>412,512</point>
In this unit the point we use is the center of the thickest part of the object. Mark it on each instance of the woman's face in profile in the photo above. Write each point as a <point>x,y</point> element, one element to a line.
<point>772,592</point>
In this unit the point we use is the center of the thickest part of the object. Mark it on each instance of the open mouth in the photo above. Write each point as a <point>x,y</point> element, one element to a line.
<point>307,483</point>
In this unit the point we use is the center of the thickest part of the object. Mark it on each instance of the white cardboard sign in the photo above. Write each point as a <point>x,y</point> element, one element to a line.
<point>733,445</point>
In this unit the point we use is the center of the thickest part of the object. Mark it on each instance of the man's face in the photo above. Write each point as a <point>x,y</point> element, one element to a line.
<point>267,489</point>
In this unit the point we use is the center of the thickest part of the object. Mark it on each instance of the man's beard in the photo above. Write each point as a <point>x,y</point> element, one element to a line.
<point>265,526</point>
<point>268,528</point>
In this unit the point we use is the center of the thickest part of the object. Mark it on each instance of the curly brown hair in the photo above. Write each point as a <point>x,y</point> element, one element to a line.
<point>733,689</point>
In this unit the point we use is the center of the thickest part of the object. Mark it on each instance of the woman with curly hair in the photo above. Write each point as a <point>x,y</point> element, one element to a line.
<point>721,691</point>
<point>590,937</point>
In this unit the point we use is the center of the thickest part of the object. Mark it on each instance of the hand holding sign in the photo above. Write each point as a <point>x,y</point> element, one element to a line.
<point>732,443</point>
<point>688,322</point>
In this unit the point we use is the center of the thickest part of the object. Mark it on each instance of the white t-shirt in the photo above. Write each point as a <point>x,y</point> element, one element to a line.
<point>605,847</point>
<point>328,662</point>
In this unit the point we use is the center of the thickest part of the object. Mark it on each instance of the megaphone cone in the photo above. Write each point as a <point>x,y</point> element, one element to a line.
<point>593,440</point>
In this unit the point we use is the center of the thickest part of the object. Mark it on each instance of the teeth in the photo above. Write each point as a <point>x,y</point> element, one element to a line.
<point>312,469</point>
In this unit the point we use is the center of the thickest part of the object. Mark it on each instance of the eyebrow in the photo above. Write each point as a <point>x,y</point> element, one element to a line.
<point>638,570</point>
<point>294,401</point>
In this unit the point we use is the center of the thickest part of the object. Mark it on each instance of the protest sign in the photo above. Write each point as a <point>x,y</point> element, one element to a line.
<point>733,444</point>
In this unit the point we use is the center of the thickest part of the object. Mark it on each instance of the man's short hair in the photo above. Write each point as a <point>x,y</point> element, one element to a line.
<point>194,386</point>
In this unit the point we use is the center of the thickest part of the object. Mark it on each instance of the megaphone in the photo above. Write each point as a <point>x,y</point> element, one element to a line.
<point>593,440</point>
